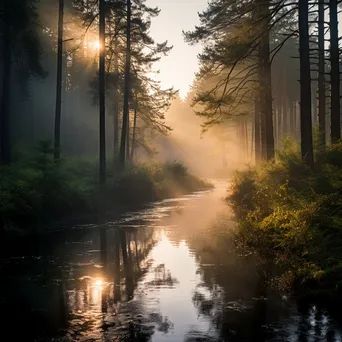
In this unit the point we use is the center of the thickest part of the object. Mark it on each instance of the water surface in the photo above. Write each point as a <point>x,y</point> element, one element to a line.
<point>166,273</point>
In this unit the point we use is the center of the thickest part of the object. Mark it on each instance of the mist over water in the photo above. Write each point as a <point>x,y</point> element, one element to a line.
<point>165,273</point>
<point>169,271</point>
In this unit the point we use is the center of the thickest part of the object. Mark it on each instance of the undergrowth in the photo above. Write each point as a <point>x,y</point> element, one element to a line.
<point>35,190</point>
<point>291,217</point>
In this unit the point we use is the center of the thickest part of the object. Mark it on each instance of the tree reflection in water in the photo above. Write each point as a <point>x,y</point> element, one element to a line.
<point>234,298</point>
<point>108,310</point>
<point>80,284</point>
<point>100,283</point>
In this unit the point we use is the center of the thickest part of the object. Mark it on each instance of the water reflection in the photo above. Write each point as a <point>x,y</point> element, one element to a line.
<point>168,272</point>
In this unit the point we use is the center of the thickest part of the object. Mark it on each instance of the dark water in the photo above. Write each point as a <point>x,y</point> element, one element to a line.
<point>167,273</point>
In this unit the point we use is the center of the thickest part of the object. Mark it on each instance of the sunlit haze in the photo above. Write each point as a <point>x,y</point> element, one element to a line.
<point>179,67</point>
<point>95,45</point>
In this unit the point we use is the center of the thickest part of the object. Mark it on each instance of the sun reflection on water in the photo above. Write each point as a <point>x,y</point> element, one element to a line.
<point>98,283</point>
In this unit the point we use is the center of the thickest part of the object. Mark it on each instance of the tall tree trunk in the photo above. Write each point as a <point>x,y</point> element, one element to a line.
<point>314,103</point>
<point>58,108</point>
<point>127,139</point>
<point>5,143</point>
<point>305,84</point>
<point>275,129</point>
<point>102,117</point>
<point>321,75</point>
<point>252,139</point>
<point>242,138</point>
<point>284,105</point>
<point>257,136</point>
<point>292,118</point>
<point>280,122</point>
<point>335,73</point>
<point>266,84</point>
<point>127,86</point>
<point>116,98</point>
<point>245,133</point>
<point>134,127</point>
<point>297,120</point>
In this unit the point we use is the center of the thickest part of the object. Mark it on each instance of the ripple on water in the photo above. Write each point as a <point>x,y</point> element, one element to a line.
<point>162,273</point>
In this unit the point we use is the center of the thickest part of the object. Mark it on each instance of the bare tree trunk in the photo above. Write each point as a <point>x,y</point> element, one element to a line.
<point>127,139</point>
<point>134,127</point>
<point>280,122</point>
<point>58,108</point>
<point>252,139</point>
<point>266,84</point>
<point>305,84</point>
<point>314,103</point>
<point>275,129</point>
<point>284,105</point>
<point>257,136</point>
<point>116,98</point>
<point>321,75</point>
<point>242,137</point>
<point>292,120</point>
<point>5,143</point>
<point>102,121</point>
<point>297,120</point>
<point>335,73</point>
<point>127,86</point>
<point>245,131</point>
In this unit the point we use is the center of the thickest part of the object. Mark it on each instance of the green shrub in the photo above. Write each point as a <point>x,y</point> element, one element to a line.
<point>293,215</point>
<point>37,190</point>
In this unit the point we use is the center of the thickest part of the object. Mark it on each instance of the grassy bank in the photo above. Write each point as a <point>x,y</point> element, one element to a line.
<point>36,191</point>
<point>291,217</point>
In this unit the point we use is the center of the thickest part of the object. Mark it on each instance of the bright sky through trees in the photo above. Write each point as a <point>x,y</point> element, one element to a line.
<point>179,67</point>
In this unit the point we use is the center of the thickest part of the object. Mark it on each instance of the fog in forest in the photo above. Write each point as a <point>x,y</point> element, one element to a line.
<point>173,132</point>
<point>33,103</point>
<point>122,216</point>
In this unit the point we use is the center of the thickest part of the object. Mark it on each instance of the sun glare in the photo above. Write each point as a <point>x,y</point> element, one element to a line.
<point>95,45</point>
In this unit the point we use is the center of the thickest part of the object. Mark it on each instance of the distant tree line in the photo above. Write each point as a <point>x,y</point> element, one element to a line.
<point>273,69</point>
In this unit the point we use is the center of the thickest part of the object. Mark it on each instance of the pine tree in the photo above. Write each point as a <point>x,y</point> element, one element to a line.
<point>334,73</point>
<point>58,108</point>
<point>321,74</point>
<point>102,107</point>
<point>305,84</point>
<point>125,117</point>
<point>237,38</point>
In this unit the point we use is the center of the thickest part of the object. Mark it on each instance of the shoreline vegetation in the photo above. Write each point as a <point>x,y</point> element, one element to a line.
<point>36,191</point>
<point>290,216</point>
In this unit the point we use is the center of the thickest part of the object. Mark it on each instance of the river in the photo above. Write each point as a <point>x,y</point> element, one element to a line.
<point>168,272</point>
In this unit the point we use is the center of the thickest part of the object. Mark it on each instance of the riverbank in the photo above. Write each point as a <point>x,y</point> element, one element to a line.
<point>181,276</point>
<point>37,191</point>
<point>290,217</point>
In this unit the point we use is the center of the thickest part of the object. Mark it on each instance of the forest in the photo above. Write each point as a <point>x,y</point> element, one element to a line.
<point>273,68</point>
<point>81,112</point>
<point>88,133</point>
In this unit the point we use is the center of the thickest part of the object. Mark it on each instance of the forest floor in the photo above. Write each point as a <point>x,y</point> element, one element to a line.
<point>290,216</point>
<point>36,192</point>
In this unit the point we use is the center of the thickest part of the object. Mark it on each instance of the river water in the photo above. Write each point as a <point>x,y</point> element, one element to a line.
<point>166,273</point>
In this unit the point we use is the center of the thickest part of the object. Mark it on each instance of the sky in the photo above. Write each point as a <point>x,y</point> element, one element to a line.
<point>179,67</point>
